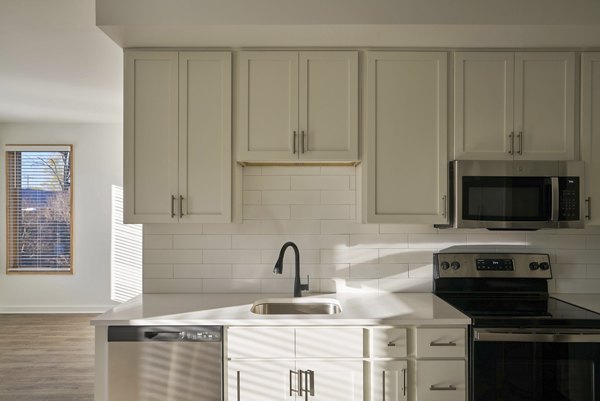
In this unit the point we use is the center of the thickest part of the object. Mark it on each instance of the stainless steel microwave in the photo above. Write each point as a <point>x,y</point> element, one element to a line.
<point>517,195</point>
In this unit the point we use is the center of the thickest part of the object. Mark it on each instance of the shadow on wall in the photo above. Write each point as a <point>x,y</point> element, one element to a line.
<point>125,253</point>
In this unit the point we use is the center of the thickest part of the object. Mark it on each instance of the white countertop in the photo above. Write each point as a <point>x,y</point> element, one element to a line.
<point>360,308</point>
<point>587,301</point>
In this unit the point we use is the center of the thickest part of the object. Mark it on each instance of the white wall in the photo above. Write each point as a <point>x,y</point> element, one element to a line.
<point>316,208</point>
<point>97,165</point>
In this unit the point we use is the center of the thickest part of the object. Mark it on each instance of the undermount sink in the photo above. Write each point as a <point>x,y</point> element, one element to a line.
<point>296,306</point>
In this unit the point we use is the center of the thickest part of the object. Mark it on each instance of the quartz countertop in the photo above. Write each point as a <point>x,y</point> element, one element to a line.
<point>587,301</point>
<point>358,308</point>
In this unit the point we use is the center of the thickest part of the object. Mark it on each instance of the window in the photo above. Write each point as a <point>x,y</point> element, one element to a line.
<point>39,200</point>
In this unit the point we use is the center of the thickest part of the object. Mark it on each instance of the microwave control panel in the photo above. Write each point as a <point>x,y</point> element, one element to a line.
<point>568,204</point>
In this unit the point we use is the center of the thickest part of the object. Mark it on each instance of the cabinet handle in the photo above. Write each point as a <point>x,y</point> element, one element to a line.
<point>383,387</point>
<point>300,385</point>
<point>293,390</point>
<point>404,382</point>
<point>438,344</point>
<point>180,206</point>
<point>442,388</point>
<point>520,137</point>
<point>172,206</point>
<point>445,201</point>
<point>511,137</point>
<point>588,200</point>
<point>302,136</point>
<point>294,142</point>
<point>310,384</point>
<point>239,397</point>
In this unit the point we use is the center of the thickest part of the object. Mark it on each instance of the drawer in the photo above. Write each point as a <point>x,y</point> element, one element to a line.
<point>388,342</point>
<point>329,342</point>
<point>441,343</point>
<point>260,342</point>
<point>441,380</point>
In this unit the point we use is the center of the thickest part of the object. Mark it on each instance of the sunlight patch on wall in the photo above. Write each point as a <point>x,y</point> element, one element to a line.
<point>125,253</point>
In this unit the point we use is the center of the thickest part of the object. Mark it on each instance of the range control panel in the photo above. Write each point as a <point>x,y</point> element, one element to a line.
<point>499,265</point>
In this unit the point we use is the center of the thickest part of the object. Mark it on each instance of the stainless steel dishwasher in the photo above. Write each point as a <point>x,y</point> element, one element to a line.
<point>174,363</point>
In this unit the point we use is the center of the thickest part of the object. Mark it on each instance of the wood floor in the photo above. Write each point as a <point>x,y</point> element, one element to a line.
<point>46,357</point>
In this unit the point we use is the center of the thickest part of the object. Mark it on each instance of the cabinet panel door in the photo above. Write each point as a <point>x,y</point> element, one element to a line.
<point>406,137</point>
<point>329,342</point>
<point>150,146</point>
<point>261,380</point>
<point>332,380</point>
<point>328,105</point>
<point>590,132</point>
<point>545,106</point>
<point>441,342</point>
<point>267,106</point>
<point>389,381</point>
<point>261,342</point>
<point>441,381</point>
<point>483,105</point>
<point>205,136</point>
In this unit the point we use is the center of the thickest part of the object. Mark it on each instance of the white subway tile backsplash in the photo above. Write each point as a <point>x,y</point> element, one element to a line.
<point>316,208</point>
<point>202,241</point>
<point>320,182</point>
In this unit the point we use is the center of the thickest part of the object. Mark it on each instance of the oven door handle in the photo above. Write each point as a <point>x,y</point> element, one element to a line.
<point>531,337</point>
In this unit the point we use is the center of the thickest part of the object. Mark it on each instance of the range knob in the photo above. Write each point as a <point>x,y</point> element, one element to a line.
<point>534,266</point>
<point>455,265</point>
<point>445,265</point>
<point>544,265</point>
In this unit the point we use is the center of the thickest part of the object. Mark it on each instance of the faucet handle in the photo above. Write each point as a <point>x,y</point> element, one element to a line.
<point>305,287</point>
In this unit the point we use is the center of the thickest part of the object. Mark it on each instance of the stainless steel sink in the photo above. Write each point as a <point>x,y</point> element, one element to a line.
<point>296,306</point>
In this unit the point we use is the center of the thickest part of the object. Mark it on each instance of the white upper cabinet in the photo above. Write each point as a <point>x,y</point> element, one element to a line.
<point>177,137</point>
<point>297,106</point>
<point>406,138</point>
<point>514,106</point>
<point>590,134</point>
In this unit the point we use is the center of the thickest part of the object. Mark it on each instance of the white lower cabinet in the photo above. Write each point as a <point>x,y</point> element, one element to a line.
<point>327,380</point>
<point>389,381</point>
<point>261,380</point>
<point>441,380</point>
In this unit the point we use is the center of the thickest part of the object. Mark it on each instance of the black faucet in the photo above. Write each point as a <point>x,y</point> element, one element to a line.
<point>278,269</point>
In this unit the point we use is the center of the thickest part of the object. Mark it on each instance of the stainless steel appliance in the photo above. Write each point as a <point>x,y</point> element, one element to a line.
<point>524,345</point>
<point>526,195</point>
<point>174,363</point>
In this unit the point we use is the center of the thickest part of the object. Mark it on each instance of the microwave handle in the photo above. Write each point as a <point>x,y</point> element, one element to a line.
<point>555,198</point>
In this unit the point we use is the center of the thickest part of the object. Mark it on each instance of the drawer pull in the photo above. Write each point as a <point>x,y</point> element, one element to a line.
<point>391,344</point>
<point>438,344</point>
<point>442,388</point>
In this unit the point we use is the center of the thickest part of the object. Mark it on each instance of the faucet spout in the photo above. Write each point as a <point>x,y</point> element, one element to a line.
<point>278,269</point>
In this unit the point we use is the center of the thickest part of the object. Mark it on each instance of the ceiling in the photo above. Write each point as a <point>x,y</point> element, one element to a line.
<point>56,65</point>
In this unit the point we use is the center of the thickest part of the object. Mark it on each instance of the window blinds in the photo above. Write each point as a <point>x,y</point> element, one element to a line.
<point>39,208</point>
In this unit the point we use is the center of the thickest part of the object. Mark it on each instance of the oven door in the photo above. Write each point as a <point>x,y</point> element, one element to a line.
<point>520,365</point>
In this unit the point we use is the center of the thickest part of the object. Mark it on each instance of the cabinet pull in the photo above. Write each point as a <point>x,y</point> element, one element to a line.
<point>239,397</point>
<point>302,136</point>
<point>404,382</point>
<point>180,206</point>
<point>310,384</point>
<point>520,137</point>
<point>442,388</point>
<point>588,201</point>
<point>445,201</point>
<point>293,390</point>
<point>383,387</point>
<point>439,344</point>
<point>294,142</point>
<point>172,206</point>
<point>300,385</point>
<point>511,149</point>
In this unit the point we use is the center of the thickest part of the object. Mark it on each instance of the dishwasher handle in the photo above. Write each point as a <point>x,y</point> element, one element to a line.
<point>164,335</point>
<point>205,334</point>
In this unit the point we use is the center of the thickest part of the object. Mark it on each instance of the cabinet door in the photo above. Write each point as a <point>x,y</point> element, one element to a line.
<point>590,133</point>
<point>328,105</point>
<point>545,106</point>
<point>205,136</point>
<point>332,380</point>
<point>329,342</point>
<point>267,113</point>
<point>150,146</point>
<point>441,381</point>
<point>261,380</point>
<point>406,137</point>
<point>389,381</point>
<point>483,105</point>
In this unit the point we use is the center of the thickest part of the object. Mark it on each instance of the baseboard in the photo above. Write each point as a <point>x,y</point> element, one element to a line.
<point>56,308</point>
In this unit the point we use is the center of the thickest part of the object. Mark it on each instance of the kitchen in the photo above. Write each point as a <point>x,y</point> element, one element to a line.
<point>318,207</point>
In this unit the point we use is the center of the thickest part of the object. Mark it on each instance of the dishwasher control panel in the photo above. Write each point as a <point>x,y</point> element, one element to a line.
<point>165,333</point>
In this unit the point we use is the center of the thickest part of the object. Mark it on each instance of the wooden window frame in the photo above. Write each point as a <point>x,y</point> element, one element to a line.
<point>9,252</point>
